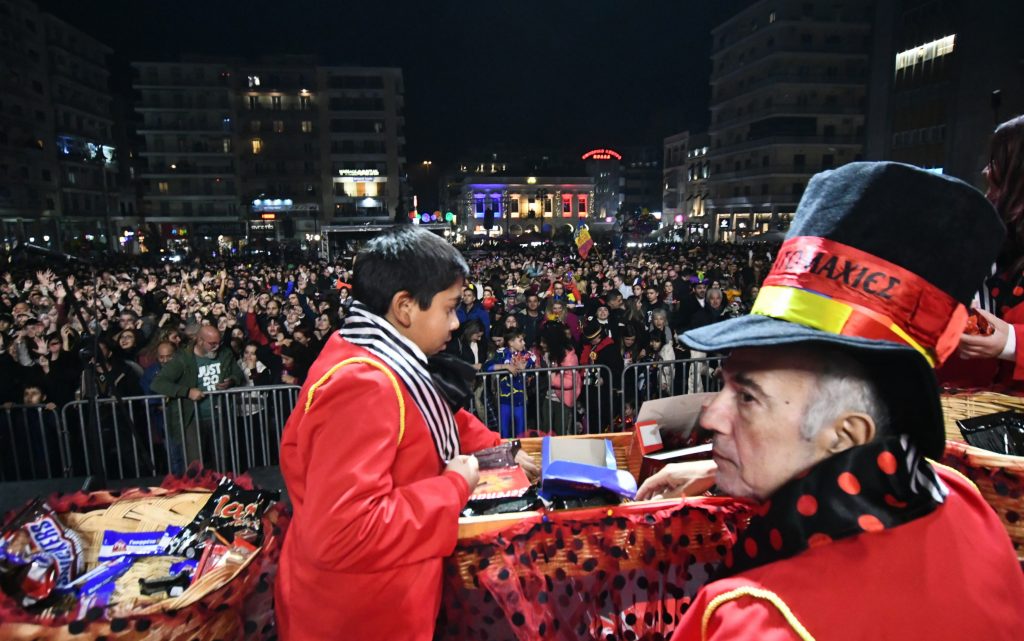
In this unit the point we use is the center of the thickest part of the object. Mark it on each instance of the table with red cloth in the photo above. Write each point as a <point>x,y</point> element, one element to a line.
<point>625,572</point>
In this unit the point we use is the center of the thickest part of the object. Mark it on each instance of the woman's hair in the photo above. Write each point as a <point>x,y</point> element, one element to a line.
<point>469,328</point>
<point>553,335</point>
<point>1005,173</point>
<point>409,259</point>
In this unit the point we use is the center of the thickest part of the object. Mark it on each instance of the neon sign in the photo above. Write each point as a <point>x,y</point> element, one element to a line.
<point>602,154</point>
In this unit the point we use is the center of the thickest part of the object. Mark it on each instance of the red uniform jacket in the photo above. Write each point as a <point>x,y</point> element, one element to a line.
<point>374,514</point>
<point>951,574</point>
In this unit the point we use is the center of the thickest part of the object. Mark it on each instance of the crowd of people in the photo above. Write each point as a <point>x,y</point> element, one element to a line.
<point>232,324</point>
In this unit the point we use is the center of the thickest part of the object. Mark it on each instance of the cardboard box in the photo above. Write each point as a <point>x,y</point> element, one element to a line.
<point>577,467</point>
<point>676,417</point>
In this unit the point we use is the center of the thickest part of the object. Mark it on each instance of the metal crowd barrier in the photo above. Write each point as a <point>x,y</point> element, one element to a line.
<point>240,428</point>
<point>536,405</point>
<point>139,436</point>
<point>33,443</point>
<point>659,379</point>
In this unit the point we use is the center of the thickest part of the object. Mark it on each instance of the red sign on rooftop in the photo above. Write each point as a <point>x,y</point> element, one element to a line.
<point>602,154</point>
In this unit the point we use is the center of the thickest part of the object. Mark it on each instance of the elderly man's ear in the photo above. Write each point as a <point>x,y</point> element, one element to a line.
<point>849,430</point>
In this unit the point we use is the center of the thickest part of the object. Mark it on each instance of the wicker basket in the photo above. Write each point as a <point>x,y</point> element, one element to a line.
<point>211,608</point>
<point>1000,479</point>
<point>960,406</point>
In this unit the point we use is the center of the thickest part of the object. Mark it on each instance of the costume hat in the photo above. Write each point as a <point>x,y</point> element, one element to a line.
<point>882,259</point>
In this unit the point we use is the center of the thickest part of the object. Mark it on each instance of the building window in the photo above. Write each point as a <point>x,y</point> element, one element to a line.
<point>566,206</point>
<point>257,145</point>
<point>513,207</point>
<point>275,102</point>
<point>254,126</point>
<point>925,52</point>
<point>254,81</point>
<point>305,103</point>
<point>548,205</point>
<point>254,102</point>
<point>163,187</point>
<point>581,204</point>
<point>771,17</point>
<point>278,126</point>
<point>226,145</point>
<point>307,126</point>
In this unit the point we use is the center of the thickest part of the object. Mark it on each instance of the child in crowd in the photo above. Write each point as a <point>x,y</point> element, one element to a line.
<point>515,359</point>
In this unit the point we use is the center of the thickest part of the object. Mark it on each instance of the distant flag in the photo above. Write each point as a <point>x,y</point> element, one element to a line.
<point>583,241</point>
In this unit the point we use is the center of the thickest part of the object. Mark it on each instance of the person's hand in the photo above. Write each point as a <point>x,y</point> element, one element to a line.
<point>288,379</point>
<point>478,366</point>
<point>990,346</point>
<point>467,467</point>
<point>679,479</point>
<point>526,462</point>
<point>196,394</point>
<point>225,384</point>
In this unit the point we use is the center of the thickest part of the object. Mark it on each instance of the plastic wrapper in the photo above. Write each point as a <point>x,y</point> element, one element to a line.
<point>229,510</point>
<point>38,554</point>
<point>526,503</point>
<point>503,455</point>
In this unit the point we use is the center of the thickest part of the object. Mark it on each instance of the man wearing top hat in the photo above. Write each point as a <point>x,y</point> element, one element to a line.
<point>828,417</point>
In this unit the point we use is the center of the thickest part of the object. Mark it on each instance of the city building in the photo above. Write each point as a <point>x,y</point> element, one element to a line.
<point>58,162</point>
<point>268,150</point>
<point>789,91</point>
<point>673,201</point>
<point>641,180</point>
<point>514,206</point>
<point>695,194</point>
<point>605,167</point>
<point>946,73</point>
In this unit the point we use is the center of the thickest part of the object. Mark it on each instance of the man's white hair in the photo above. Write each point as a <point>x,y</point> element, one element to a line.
<point>842,385</point>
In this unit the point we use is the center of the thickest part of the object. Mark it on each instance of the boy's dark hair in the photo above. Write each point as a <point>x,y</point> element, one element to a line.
<point>513,333</point>
<point>407,259</point>
<point>655,335</point>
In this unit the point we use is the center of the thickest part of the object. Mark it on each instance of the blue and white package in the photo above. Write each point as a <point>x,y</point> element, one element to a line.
<point>116,544</point>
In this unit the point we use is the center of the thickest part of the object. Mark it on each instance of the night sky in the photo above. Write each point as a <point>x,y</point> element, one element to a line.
<point>552,74</point>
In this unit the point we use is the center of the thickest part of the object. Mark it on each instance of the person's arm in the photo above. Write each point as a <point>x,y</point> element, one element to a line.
<point>304,303</point>
<point>354,517</point>
<point>167,382</point>
<point>474,435</point>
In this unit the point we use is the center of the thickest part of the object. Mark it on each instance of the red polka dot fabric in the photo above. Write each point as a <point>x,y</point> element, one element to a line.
<point>575,576</point>
<point>863,490</point>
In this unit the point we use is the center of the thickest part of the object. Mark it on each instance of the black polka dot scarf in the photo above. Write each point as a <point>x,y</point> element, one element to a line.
<point>865,489</point>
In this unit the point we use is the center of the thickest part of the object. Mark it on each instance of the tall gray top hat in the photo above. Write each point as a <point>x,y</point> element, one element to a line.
<point>882,259</point>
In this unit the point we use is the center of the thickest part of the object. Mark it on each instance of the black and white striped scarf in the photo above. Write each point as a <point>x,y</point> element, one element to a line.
<point>367,330</point>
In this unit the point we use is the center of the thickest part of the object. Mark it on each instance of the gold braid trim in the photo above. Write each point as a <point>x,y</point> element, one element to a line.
<point>756,593</point>
<point>372,363</point>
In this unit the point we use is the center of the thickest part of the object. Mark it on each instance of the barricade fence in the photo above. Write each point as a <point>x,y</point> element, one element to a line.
<point>229,430</point>
<point>240,428</point>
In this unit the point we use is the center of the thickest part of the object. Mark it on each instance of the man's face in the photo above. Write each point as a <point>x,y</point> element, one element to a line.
<point>606,286</point>
<point>756,421</point>
<point>652,295</point>
<point>468,297</point>
<point>699,290</point>
<point>715,298</point>
<point>207,342</point>
<point>602,313</point>
<point>273,308</point>
<point>164,354</point>
<point>32,396</point>
<point>432,328</point>
<point>559,290</point>
<point>532,302</point>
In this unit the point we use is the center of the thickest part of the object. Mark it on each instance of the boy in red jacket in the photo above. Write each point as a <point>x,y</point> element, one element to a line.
<point>374,455</point>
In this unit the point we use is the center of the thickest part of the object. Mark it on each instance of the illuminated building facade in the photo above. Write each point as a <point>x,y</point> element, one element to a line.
<point>514,206</point>
<point>946,73</point>
<point>274,149</point>
<point>788,85</point>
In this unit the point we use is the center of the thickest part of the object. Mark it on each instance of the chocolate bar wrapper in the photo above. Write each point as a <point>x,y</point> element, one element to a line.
<point>229,509</point>
<point>38,554</point>
<point>117,544</point>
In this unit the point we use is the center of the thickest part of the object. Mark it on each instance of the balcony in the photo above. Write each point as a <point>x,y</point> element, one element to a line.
<point>786,140</point>
<point>775,79</point>
<point>800,53</point>
<point>771,170</point>
<point>784,110</point>
<point>759,202</point>
<point>183,128</point>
